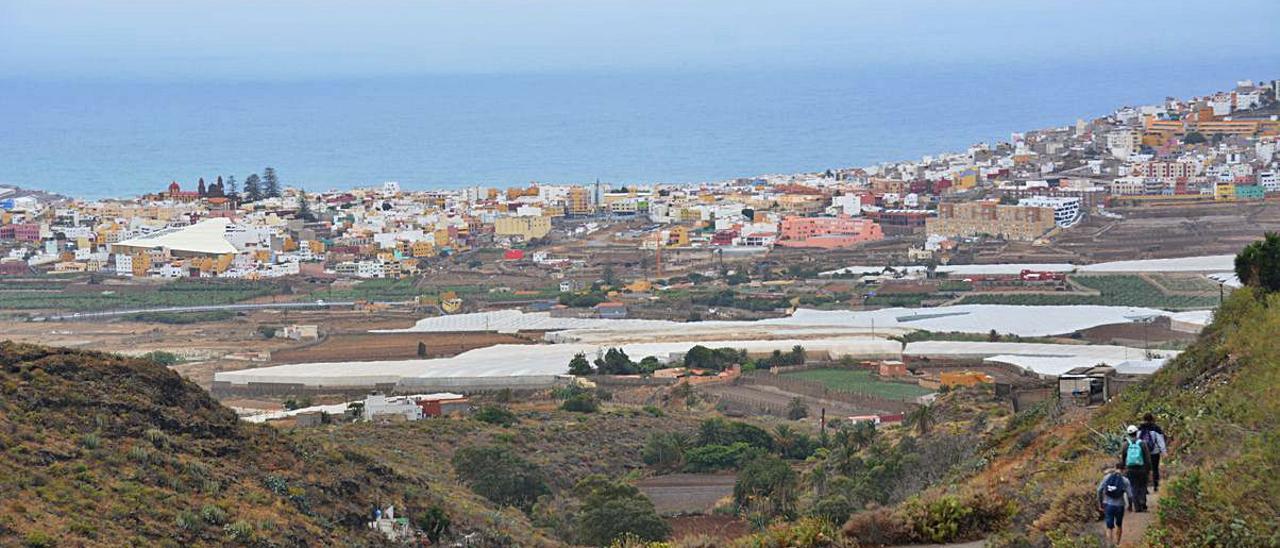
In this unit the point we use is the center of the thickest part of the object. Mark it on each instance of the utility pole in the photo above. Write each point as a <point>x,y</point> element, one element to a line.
<point>658,259</point>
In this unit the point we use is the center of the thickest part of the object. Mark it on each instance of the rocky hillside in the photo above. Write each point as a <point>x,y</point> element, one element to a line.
<point>1219,402</point>
<point>104,450</point>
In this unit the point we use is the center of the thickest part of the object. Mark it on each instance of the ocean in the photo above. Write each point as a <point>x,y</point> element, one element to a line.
<point>101,139</point>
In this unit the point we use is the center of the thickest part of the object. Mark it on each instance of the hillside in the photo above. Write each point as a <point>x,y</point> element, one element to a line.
<point>104,450</point>
<point>1219,403</point>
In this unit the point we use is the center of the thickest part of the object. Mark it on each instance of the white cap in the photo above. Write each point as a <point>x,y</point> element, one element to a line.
<point>1132,430</point>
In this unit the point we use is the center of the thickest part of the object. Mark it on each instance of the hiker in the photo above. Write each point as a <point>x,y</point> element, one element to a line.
<point>1135,456</point>
<point>1151,433</point>
<point>1113,490</point>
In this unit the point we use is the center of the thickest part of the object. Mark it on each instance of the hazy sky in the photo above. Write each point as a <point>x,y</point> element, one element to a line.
<point>263,39</point>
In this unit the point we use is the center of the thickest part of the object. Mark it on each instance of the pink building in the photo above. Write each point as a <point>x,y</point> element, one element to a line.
<point>29,232</point>
<point>828,232</point>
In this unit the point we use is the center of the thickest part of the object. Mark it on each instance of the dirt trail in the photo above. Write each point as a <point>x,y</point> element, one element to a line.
<point>1135,523</point>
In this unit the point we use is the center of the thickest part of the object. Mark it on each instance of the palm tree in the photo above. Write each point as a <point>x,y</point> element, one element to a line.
<point>922,418</point>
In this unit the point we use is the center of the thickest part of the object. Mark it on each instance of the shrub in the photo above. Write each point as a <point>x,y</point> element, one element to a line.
<point>494,414</point>
<point>581,403</point>
<point>708,458</point>
<point>90,441</point>
<point>434,523</point>
<point>796,409</point>
<point>500,475</point>
<point>240,531</point>
<point>213,515</point>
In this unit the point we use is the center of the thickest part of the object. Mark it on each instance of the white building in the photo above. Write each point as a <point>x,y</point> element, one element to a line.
<point>379,405</point>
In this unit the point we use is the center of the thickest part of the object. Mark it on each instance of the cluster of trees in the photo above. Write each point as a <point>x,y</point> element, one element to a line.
<point>719,359</point>
<point>596,512</point>
<point>257,188</point>
<point>723,445</point>
<point>730,299</point>
<point>583,300</point>
<point>614,361</point>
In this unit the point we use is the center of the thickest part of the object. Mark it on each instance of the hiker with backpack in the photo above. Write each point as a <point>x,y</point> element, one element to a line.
<point>1113,491</point>
<point>1136,458</point>
<point>1151,433</point>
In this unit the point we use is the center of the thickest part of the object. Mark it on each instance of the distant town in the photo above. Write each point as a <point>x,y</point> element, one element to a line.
<point>1039,185</point>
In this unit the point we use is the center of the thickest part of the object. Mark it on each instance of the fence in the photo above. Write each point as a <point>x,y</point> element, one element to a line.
<point>818,390</point>
<point>730,402</point>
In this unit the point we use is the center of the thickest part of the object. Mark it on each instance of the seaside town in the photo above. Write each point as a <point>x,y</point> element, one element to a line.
<point>1039,186</point>
<point>944,351</point>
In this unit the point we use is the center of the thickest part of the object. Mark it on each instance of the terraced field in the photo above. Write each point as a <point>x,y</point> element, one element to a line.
<point>1113,290</point>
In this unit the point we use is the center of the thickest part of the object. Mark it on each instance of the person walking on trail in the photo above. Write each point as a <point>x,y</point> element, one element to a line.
<point>1113,491</point>
<point>1136,458</point>
<point>1151,434</point>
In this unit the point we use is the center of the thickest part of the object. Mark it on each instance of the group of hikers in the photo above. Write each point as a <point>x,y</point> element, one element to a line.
<point>1126,484</point>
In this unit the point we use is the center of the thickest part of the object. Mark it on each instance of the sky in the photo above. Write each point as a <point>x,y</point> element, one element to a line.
<point>182,40</point>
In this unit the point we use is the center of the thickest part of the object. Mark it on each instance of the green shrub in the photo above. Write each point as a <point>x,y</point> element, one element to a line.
<point>581,403</point>
<point>500,475</point>
<point>709,458</point>
<point>495,414</point>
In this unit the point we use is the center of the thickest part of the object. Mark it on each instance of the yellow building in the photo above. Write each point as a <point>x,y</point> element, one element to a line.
<point>141,264</point>
<point>423,248</point>
<point>677,236</point>
<point>527,228</point>
<point>1224,191</point>
<point>579,202</point>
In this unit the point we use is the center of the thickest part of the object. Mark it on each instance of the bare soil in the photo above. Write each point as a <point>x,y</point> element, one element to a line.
<point>686,493</point>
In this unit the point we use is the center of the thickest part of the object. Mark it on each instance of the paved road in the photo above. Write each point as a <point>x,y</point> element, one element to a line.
<point>204,308</point>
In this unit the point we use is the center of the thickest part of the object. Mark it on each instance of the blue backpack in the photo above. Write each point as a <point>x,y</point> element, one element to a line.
<point>1114,486</point>
<point>1133,454</point>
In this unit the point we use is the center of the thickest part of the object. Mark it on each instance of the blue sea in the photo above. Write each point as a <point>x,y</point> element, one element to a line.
<point>115,138</point>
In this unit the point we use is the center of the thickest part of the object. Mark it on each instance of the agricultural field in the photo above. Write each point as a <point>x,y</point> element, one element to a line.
<point>88,298</point>
<point>857,380</point>
<point>1114,290</point>
<point>1184,283</point>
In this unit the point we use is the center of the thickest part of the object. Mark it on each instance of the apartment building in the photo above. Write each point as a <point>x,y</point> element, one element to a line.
<point>988,217</point>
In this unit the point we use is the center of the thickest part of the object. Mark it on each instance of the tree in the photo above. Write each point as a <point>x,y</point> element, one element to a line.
<point>797,410</point>
<point>434,522</point>
<point>612,510</point>
<point>229,186</point>
<point>304,207</point>
<point>252,188</point>
<point>501,475</point>
<point>1258,264</point>
<point>1193,138</point>
<point>615,362</point>
<point>665,450</point>
<point>922,418</point>
<point>579,366</point>
<point>766,477</point>
<point>422,349</point>
<point>272,182</point>
<point>609,278</point>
